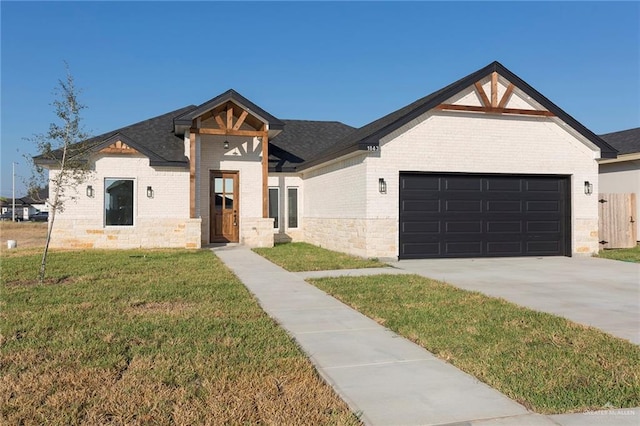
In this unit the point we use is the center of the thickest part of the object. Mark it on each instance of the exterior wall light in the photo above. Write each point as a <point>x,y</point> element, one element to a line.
<point>382,186</point>
<point>90,192</point>
<point>226,144</point>
<point>149,192</point>
<point>588,187</point>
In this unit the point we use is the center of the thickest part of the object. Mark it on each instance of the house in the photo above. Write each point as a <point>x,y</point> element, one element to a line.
<point>622,174</point>
<point>26,206</point>
<point>486,166</point>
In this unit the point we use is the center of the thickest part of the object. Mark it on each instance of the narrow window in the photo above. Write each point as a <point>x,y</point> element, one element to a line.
<point>273,207</point>
<point>292,195</point>
<point>118,202</point>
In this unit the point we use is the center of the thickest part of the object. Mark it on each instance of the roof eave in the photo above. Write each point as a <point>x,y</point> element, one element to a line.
<point>166,163</point>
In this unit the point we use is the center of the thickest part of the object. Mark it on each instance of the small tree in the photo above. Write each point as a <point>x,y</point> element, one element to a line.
<point>61,152</point>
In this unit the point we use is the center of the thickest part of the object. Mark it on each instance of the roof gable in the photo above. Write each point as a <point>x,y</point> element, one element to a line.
<point>121,144</point>
<point>184,121</point>
<point>153,137</point>
<point>371,133</point>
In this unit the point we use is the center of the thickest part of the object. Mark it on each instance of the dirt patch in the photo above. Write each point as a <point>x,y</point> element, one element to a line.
<point>35,281</point>
<point>27,234</point>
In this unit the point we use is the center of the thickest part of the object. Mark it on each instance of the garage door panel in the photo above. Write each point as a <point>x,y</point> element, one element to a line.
<point>543,226</point>
<point>483,215</point>
<point>416,183</point>
<point>543,206</point>
<point>421,206</point>
<point>421,227</point>
<point>504,227</point>
<point>474,227</point>
<point>544,185</point>
<point>420,250</point>
<point>463,248</point>
<point>543,248</point>
<point>504,206</point>
<point>503,185</point>
<point>463,183</point>
<point>504,248</point>
<point>463,206</point>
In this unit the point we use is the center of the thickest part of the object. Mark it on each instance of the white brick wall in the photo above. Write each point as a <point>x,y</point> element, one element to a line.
<point>282,181</point>
<point>245,156</point>
<point>345,211</point>
<point>482,143</point>
<point>161,221</point>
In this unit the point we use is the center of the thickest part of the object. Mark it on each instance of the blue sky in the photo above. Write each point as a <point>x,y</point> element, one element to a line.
<point>351,62</point>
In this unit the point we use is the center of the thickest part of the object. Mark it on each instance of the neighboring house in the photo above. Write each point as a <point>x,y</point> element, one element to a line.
<point>39,200</point>
<point>25,207</point>
<point>486,166</point>
<point>622,175</point>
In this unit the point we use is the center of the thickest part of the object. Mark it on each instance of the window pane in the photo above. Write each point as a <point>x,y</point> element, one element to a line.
<point>228,185</point>
<point>273,206</point>
<point>118,202</point>
<point>292,193</point>
<point>217,185</point>
<point>228,203</point>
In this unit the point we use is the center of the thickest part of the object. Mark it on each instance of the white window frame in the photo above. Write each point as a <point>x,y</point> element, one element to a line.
<point>297,189</point>
<point>278,219</point>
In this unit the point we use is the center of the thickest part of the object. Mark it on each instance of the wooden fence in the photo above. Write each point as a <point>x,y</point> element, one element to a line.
<point>617,221</point>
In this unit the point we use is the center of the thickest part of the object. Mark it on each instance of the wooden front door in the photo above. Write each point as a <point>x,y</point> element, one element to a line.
<point>224,208</point>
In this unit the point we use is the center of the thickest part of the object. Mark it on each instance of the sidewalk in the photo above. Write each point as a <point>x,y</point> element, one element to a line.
<point>383,377</point>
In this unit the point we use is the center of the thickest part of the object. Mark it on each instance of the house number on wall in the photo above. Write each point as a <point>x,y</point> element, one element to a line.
<point>373,148</point>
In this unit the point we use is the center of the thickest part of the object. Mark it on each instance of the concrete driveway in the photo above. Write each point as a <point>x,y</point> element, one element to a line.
<point>597,292</point>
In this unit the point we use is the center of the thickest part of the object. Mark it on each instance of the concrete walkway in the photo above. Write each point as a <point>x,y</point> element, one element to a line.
<point>383,377</point>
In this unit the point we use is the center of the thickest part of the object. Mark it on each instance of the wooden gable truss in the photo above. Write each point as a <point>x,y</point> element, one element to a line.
<point>229,119</point>
<point>493,105</point>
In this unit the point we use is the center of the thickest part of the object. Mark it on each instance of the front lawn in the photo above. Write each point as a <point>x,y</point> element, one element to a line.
<point>546,363</point>
<point>627,255</point>
<point>297,257</point>
<point>148,337</point>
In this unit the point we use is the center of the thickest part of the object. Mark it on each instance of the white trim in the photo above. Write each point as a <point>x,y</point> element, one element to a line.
<point>621,158</point>
<point>278,218</point>
<point>297,207</point>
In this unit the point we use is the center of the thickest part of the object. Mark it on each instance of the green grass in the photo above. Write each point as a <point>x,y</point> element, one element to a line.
<point>296,257</point>
<point>627,255</point>
<point>545,362</point>
<point>148,337</point>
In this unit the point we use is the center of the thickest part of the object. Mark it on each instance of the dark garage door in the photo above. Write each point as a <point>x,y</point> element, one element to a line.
<point>461,215</point>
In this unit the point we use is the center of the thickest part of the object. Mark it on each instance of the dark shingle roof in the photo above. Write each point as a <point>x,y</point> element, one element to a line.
<point>625,141</point>
<point>301,140</point>
<point>371,133</point>
<point>153,137</point>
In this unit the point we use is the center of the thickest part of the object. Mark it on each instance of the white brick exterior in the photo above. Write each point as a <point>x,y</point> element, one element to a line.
<point>161,221</point>
<point>339,204</point>
<point>244,156</point>
<point>284,181</point>
<point>345,211</point>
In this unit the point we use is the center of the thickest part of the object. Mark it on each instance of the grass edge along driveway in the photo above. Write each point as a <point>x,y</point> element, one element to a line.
<point>547,363</point>
<point>298,257</point>
<point>148,337</point>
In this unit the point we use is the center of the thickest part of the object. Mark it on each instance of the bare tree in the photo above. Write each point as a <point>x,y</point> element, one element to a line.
<point>61,153</point>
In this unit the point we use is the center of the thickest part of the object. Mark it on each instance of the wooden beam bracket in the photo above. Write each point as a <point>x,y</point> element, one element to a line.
<point>497,110</point>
